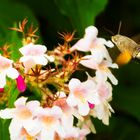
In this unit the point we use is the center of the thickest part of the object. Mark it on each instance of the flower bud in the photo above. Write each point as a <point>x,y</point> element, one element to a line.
<point>1,90</point>
<point>21,84</point>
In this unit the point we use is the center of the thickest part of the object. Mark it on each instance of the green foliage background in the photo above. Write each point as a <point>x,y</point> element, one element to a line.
<point>52,16</point>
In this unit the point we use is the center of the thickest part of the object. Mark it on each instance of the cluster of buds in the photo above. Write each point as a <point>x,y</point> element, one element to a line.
<point>63,97</point>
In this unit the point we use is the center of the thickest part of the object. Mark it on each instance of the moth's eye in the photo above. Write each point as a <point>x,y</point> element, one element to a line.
<point>114,39</point>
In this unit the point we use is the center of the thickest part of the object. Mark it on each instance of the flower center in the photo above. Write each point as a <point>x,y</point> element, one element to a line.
<point>24,113</point>
<point>103,67</point>
<point>80,94</point>
<point>48,120</point>
<point>4,65</point>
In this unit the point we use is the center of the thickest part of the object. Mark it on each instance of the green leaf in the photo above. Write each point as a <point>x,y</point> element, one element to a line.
<point>65,16</point>
<point>4,132</point>
<point>81,13</point>
<point>13,94</point>
<point>11,13</point>
<point>15,45</point>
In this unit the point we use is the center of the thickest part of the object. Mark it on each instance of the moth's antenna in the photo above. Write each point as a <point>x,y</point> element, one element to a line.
<point>109,31</point>
<point>119,29</point>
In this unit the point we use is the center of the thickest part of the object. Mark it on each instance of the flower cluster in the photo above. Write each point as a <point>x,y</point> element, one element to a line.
<point>63,98</point>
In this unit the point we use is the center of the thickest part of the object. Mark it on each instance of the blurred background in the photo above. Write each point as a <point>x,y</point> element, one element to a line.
<point>53,16</point>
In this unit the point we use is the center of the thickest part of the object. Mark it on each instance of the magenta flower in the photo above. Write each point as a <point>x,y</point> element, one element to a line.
<point>21,83</point>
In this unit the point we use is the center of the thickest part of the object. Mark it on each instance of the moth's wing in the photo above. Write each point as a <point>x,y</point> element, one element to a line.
<point>123,58</point>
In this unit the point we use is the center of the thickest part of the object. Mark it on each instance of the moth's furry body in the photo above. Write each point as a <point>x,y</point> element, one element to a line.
<point>126,44</point>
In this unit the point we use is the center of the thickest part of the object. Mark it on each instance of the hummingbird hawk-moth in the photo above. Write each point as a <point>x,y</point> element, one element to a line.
<point>128,48</point>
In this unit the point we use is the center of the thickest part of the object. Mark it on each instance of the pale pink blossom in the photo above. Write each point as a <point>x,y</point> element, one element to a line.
<point>67,110</point>
<point>90,42</point>
<point>49,120</point>
<point>72,131</point>
<point>102,110</point>
<point>33,55</point>
<point>81,94</point>
<point>23,117</point>
<point>67,120</point>
<point>85,43</point>
<point>6,69</point>
<point>101,67</point>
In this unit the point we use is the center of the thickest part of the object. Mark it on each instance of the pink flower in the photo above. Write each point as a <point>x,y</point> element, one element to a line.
<point>49,120</point>
<point>81,94</point>
<point>85,43</point>
<point>33,55</point>
<point>21,84</point>
<point>102,110</point>
<point>23,116</point>
<point>101,67</point>
<point>71,131</point>
<point>90,42</point>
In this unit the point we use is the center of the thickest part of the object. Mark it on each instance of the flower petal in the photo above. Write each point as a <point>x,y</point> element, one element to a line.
<point>32,127</point>
<point>94,98</point>
<point>49,135</point>
<point>40,60</point>
<point>15,129</point>
<point>82,45</point>
<point>73,83</point>
<point>7,113</point>
<point>32,49</point>
<point>71,100</point>
<point>12,73</point>
<point>33,105</point>
<point>90,62</point>
<point>20,101</point>
<point>91,32</point>
<point>109,44</point>
<point>100,76</point>
<point>2,80</point>
<point>112,78</point>
<point>83,108</point>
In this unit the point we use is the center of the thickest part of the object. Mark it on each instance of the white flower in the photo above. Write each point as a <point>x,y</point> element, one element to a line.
<point>85,43</point>
<point>101,67</point>
<point>102,110</point>
<point>81,94</point>
<point>90,42</point>
<point>22,118</point>
<point>49,120</point>
<point>72,132</point>
<point>32,55</point>
<point>6,69</point>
